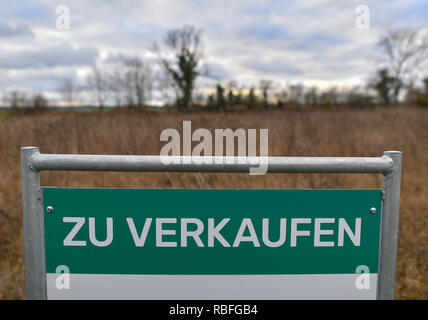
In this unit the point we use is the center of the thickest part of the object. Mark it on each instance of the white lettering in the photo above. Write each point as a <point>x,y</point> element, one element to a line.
<point>282,233</point>
<point>185,233</point>
<point>214,232</point>
<point>92,233</point>
<point>354,236</point>
<point>139,240</point>
<point>296,233</point>
<point>68,241</point>
<point>246,224</point>
<point>318,232</point>
<point>160,232</point>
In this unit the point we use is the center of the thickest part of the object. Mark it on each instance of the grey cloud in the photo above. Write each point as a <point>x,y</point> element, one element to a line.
<point>215,70</point>
<point>273,65</point>
<point>60,55</point>
<point>265,38</point>
<point>317,41</point>
<point>15,30</point>
<point>37,79</point>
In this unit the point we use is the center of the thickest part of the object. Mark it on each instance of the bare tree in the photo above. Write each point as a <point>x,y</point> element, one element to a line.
<point>251,98</point>
<point>39,101</point>
<point>385,86</point>
<point>296,93</point>
<point>115,84</point>
<point>265,86</point>
<point>403,52</point>
<point>185,47</point>
<point>311,96</point>
<point>220,99</point>
<point>137,81</point>
<point>231,87</point>
<point>98,81</point>
<point>281,98</point>
<point>17,99</point>
<point>329,97</point>
<point>69,91</point>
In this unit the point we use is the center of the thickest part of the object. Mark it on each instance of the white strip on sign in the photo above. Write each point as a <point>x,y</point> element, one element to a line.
<point>205,287</point>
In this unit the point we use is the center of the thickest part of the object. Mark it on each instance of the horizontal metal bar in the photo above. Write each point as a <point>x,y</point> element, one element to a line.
<point>71,162</point>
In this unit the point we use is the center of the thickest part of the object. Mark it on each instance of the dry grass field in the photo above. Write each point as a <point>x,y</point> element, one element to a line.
<point>365,132</point>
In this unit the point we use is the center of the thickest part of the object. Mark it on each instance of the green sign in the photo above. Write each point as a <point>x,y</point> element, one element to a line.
<point>158,240</point>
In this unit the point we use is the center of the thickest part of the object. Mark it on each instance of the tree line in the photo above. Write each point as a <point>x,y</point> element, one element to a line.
<point>178,63</point>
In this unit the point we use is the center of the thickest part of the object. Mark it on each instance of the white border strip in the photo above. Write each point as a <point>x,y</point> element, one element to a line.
<point>206,287</point>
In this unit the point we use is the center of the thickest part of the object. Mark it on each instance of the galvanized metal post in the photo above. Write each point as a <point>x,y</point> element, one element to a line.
<point>389,228</point>
<point>34,235</point>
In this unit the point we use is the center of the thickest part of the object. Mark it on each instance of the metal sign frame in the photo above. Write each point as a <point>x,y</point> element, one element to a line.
<point>32,162</point>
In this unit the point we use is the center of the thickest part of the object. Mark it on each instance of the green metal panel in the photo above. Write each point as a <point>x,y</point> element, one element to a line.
<point>122,256</point>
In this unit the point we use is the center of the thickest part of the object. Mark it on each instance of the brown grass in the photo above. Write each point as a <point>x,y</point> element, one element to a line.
<point>291,133</point>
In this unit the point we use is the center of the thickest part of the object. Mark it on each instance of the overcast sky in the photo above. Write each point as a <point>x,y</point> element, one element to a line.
<point>311,41</point>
